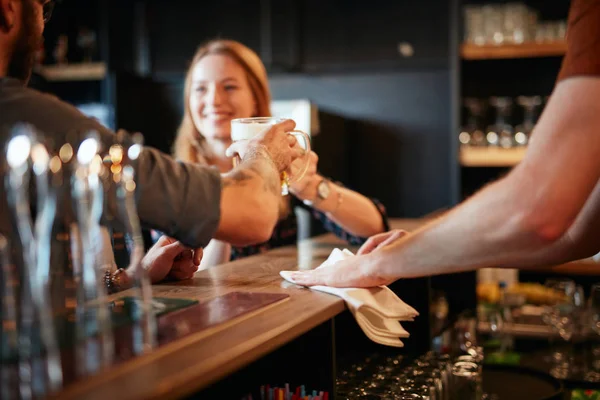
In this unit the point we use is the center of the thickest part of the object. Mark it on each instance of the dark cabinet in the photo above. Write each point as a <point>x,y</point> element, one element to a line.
<point>353,33</point>
<point>178,27</point>
<point>305,35</point>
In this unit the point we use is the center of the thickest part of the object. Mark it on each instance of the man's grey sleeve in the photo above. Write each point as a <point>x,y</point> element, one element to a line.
<point>181,200</point>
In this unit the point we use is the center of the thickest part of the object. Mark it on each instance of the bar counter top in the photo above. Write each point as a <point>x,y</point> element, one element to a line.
<point>200,359</point>
<point>194,362</point>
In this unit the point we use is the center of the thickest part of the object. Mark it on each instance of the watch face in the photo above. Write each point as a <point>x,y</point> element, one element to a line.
<point>323,189</point>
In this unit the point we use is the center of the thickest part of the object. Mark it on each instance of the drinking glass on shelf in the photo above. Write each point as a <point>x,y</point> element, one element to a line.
<point>515,23</point>
<point>546,32</point>
<point>493,16</point>
<point>474,25</point>
<point>553,31</point>
<point>561,30</point>
<point>531,107</point>
<point>532,23</point>
<point>87,43</point>
<point>472,132</point>
<point>500,133</point>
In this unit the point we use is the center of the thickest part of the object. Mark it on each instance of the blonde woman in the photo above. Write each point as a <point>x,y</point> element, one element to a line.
<point>227,80</point>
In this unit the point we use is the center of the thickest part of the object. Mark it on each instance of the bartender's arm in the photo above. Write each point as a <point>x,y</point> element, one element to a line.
<point>539,214</point>
<point>542,212</point>
<point>526,219</point>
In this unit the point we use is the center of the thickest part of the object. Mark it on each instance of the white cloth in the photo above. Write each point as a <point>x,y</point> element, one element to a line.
<point>377,310</point>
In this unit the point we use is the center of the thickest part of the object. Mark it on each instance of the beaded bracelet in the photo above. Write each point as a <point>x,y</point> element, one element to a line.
<point>113,281</point>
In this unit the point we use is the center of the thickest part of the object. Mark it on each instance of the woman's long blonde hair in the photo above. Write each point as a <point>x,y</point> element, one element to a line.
<point>189,143</point>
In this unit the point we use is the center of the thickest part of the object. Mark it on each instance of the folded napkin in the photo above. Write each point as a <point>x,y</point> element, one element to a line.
<point>386,340</point>
<point>377,310</point>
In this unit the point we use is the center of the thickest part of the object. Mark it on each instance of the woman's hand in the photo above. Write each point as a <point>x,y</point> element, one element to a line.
<point>306,188</point>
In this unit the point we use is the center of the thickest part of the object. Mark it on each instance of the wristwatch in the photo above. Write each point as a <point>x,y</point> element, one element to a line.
<point>323,190</point>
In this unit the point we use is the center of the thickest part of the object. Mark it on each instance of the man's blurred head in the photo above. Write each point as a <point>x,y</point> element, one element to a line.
<point>22,27</point>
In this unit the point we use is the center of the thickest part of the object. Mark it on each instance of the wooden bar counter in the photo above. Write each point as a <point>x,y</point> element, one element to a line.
<point>189,365</point>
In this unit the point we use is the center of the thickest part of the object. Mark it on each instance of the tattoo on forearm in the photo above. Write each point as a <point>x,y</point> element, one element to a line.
<point>259,161</point>
<point>240,177</point>
<point>237,177</point>
<point>271,185</point>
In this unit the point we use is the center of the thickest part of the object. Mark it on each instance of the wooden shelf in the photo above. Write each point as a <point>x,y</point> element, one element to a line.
<point>521,330</point>
<point>73,72</point>
<point>491,156</point>
<point>525,50</point>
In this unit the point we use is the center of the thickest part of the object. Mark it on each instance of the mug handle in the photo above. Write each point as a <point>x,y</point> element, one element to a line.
<point>298,177</point>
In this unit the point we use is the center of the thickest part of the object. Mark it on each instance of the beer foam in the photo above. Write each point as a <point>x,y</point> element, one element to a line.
<point>241,131</point>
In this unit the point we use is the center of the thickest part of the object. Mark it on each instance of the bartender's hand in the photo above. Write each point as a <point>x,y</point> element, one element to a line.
<point>306,188</point>
<point>357,271</point>
<point>366,269</point>
<point>169,258</point>
<point>281,147</point>
<point>380,240</point>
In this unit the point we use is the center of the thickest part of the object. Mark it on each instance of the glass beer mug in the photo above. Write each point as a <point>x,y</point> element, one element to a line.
<point>247,128</point>
<point>121,164</point>
<point>39,370</point>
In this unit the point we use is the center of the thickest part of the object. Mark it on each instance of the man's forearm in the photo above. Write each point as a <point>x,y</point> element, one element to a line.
<point>249,201</point>
<point>258,161</point>
<point>181,200</point>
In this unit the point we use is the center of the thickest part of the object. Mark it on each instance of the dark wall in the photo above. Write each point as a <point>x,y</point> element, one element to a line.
<point>178,27</point>
<point>398,138</point>
<point>149,107</point>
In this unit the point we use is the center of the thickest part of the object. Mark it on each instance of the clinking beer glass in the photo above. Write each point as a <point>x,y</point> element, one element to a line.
<point>247,128</point>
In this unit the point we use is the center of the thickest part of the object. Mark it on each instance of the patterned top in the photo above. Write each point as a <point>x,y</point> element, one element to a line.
<point>286,230</point>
